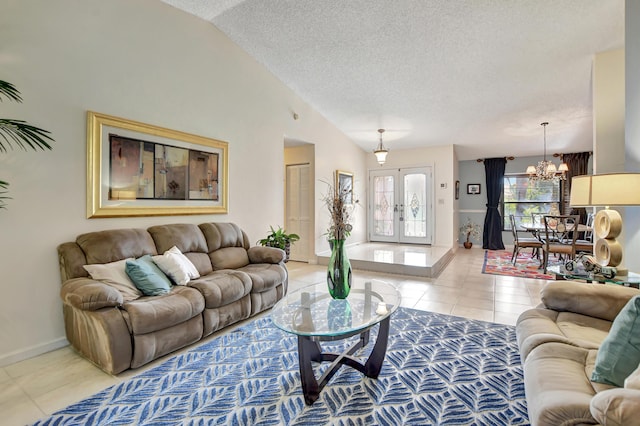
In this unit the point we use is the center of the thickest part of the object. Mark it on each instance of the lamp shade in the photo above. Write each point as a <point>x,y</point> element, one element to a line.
<point>615,189</point>
<point>580,191</point>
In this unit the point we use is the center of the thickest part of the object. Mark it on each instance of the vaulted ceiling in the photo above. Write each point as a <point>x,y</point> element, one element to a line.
<point>479,74</point>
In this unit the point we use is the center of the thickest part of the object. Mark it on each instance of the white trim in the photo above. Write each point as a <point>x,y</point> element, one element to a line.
<point>32,351</point>
<point>472,211</point>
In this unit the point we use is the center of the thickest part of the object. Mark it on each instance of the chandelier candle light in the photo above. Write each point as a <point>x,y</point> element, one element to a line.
<point>545,170</point>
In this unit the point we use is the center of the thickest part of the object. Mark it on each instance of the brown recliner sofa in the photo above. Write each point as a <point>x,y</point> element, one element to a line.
<point>559,342</point>
<point>236,281</point>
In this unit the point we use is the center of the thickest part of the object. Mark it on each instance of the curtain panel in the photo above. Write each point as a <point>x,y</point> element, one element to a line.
<point>494,173</point>
<point>578,163</point>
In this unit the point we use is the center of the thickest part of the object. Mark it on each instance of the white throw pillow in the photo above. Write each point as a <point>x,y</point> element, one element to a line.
<point>177,266</point>
<point>633,381</point>
<point>114,275</point>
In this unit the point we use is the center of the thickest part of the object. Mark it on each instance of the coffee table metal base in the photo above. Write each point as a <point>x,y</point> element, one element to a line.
<point>309,350</point>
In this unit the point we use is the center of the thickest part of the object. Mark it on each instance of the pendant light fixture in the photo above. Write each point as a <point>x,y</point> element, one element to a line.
<point>545,170</point>
<point>381,152</point>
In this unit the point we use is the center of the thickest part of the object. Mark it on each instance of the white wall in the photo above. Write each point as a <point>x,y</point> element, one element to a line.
<point>608,111</point>
<point>146,61</point>
<point>442,160</point>
<point>632,127</point>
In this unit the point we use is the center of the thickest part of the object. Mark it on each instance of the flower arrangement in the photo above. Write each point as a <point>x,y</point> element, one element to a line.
<point>340,211</point>
<point>470,229</point>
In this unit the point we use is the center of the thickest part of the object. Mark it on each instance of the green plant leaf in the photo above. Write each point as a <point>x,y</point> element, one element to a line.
<point>18,133</point>
<point>9,90</point>
<point>23,135</point>
<point>3,190</point>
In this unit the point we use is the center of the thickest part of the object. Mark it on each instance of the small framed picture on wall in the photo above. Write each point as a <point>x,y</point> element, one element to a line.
<point>473,188</point>
<point>457,190</point>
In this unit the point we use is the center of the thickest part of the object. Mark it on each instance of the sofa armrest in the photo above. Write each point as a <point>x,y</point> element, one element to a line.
<point>89,295</point>
<point>259,254</point>
<point>617,406</point>
<point>594,300</point>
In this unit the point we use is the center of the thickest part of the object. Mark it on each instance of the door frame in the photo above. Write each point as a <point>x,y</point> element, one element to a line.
<point>398,174</point>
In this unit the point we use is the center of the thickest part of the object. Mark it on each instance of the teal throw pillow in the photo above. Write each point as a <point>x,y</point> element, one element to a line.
<point>619,353</point>
<point>147,277</point>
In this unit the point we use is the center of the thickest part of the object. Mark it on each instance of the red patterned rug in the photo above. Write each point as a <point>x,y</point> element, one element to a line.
<point>498,262</point>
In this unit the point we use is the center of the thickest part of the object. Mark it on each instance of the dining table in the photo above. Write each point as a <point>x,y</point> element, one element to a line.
<point>538,229</point>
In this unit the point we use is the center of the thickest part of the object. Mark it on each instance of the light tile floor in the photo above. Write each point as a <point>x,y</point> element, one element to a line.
<point>36,387</point>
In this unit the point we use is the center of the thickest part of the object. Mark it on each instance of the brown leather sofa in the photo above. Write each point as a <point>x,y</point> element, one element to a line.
<point>236,281</point>
<point>559,341</point>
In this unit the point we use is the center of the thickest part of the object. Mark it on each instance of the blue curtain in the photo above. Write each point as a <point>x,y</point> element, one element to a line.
<point>494,172</point>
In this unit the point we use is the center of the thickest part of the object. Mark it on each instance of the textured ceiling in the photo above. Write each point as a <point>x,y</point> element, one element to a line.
<point>480,74</point>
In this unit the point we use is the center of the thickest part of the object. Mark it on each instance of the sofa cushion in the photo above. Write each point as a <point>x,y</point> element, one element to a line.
<point>229,258</point>
<point>265,276</point>
<point>557,385</point>
<point>221,235</point>
<point>177,266</point>
<point>153,313</point>
<point>147,277</point>
<point>619,353</point>
<point>114,275</point>
<point>221,288</point>
<point>116,244</point>
<point>188,238</point>
<point>185,236</point>
<point>537,326</point>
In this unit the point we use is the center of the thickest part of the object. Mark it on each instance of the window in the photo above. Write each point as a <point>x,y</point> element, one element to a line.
<point>524,199</point>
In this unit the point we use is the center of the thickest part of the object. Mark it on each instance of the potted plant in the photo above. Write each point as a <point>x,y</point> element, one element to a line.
<point>470,230</point>
<point>18,132</point>
<point>279,239</point>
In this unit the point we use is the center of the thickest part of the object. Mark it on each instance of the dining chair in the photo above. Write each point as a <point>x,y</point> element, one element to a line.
<point>561,233</point>
<point>523,242</point>
<point>585,244</point>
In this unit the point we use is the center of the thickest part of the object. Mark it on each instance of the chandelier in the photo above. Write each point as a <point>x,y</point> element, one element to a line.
<point>546,171</point>
<point>380,151</point>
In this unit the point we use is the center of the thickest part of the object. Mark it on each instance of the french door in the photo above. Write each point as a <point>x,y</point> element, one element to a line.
<point>401,207</point>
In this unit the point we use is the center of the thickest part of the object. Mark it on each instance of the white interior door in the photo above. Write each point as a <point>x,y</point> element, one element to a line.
<point>401,206</point>
<point>299,209</point>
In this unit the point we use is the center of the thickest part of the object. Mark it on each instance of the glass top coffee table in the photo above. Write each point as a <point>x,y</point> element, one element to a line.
<point>630,280</point>
<point>312,315</point>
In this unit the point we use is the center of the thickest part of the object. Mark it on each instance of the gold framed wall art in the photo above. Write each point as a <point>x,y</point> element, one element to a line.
<point>137,169</point>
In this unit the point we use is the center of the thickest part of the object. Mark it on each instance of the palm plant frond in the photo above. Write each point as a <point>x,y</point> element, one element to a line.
<point>9,90</point>
<point>23,135</point>
<point>18,133</point>
<point>3,186</point>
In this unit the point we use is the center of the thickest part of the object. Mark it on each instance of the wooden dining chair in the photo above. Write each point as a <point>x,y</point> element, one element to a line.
<point>522,242</point>
<point>561,233</point>
<point>585,244</point>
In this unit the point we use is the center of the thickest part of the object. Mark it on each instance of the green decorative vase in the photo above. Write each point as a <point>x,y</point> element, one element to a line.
<point>339,271</point>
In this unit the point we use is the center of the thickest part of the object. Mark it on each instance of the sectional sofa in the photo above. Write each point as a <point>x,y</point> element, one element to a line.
<point>117,327</point>
<point>565,339</point>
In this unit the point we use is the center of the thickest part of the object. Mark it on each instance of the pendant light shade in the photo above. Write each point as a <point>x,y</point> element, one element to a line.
<point>381,152</point>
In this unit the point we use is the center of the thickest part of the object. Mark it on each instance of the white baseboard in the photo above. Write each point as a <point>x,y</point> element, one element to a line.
<point>30,352</point>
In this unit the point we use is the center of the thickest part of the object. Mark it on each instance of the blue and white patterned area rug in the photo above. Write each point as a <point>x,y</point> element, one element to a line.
<point>439,370</point>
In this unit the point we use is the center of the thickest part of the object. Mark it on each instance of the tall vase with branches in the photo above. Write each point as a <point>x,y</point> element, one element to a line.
<point>340,227</point>
<point>18,133</point>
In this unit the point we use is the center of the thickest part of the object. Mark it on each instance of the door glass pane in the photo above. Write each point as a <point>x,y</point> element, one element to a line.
<point>383,196</point>
<point>415,218</point>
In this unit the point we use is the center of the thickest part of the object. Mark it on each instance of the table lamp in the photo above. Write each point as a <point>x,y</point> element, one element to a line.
<point>613,189</point>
